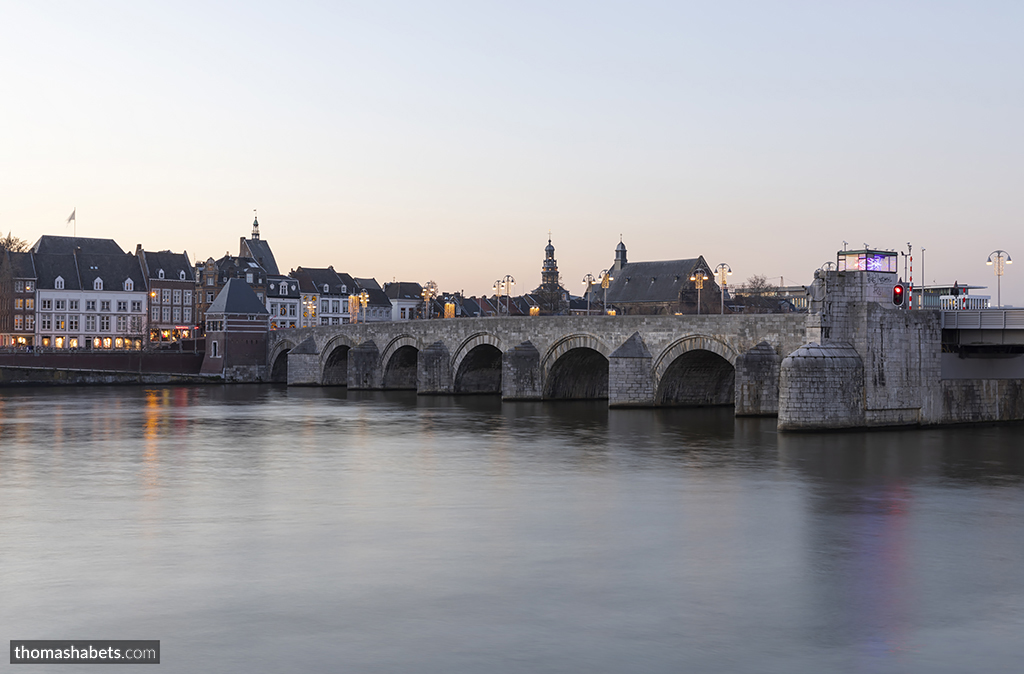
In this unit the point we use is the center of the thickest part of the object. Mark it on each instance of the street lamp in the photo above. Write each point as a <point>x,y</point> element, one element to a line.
<point>509,282</point>
<point>497,293</point>
<point>429,292</point>
<point>698,278</point>
<point>606,280</point>
<point>722,271</point>
<point>588,281</point>
<point>364,300</point>
<point>1002,258</point>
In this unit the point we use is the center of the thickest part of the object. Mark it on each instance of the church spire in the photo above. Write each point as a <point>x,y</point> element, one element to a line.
<point>255,226</point>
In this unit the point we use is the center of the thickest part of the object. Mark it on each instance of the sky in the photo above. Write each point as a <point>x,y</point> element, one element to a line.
<point>444,140</point>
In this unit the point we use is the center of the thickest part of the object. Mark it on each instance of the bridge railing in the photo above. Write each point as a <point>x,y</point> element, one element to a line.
<point>964,302</point>
<point>987,319</point>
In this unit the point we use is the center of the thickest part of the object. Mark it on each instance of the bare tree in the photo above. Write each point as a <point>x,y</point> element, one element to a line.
<point>758,285</point>
<point>13,243</point>
<point>758,295</point>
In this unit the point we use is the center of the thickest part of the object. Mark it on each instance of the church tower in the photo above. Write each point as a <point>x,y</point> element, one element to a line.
<point>549,270</point>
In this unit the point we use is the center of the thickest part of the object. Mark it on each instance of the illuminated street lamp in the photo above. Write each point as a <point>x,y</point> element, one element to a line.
<point>364,300</point>
<point>606,280</point>
<point>429,293</point>
<point>698,278</point>
<point>509,282</point>
<point>497,292</point>
<point>722,271</point>
<point>1002,258</point>
<point>588,281</point>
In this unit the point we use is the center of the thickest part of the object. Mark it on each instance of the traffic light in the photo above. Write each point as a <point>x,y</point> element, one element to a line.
<point>897,295</point>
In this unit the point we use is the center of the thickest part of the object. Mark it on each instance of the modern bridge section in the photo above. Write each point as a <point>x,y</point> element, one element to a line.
<point>630,360</point>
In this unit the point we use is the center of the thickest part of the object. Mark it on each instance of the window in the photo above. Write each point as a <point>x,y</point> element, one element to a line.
<point>186,297</point>
<point>403,312</point>
<point>73,305</point>
<point>344,288</point>
<point>19,303</point>
<point>104,323</point>
<point>213,349</point>
<point>90,324</point>
<point>60,305</point>
<point>122,305</point>
<point>136,306</point>
<point>18,322</point>
<point>284,310</point>
<point>104,305</point>
<point>335,306</point>
<point>90,305</point>
<point>165,295</point>
<point>30,323</point>
<point>177,315</point>
<point>209,297</point>
<point>324,320</point>
<point>165,315</point>
<point>248,278</point>
<point>292,309</point>
<point>46,322</point>
<point>187,317</point>
<point>327,289</point>
<point>58,323</point>
<point>122,323</point>
<point>160,274</point>
<point>177,296</point>
<point>155,313</point>
<point>129,284</point>
<point>325,306</point>
<point>181,275</point>
<point>209,280</point>
<point>335,321</point>
<point>284,288</point>
<point>73,323</point>
<point>58,283</point>
<point>260,296</point>
<point>46,305</point>
<point>30,286</point>
<point>30,303</point>
<point>97,283</point>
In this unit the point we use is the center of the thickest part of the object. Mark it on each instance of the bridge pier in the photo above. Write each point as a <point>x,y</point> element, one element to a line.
<point>364,367</point>
<point>521,376</point>
<point>757,382</point>
<point>434,370</point>
<point>304,364</point>
<point>630,380</point>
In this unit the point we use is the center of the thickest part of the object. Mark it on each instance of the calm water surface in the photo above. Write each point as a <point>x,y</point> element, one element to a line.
<point>261,529</point>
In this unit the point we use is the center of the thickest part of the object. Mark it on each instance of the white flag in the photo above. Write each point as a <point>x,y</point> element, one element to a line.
<point>72,216</point>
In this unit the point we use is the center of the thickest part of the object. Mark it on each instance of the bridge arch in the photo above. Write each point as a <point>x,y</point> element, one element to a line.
<point>334,361</point>
<point>279,361</point>
<point>470,343</point>
<point>576,367</point>
<point>399,361</point>
<point>695,370</point>
<point>479,370</point>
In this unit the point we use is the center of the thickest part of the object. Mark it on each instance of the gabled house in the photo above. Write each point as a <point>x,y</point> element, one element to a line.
<point>324,295</point>
<point>236,333</point>
<point>379,306</point>
<point>284,302</point>
<point>172,287</point>
<point>17,299</point>
<point>406,300</point>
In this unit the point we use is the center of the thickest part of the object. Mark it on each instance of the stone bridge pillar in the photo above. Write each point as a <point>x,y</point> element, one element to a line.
<point>757,382</point>
<point>630,382</point>
<point>521,377</point>
<point>822,387</point>
<point>364,368</point>
<point>304,364</point>
<point>434,370</point>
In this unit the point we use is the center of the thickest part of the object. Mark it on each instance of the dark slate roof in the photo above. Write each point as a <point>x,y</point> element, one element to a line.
<point>367,283</point>
<point>49,267</point>
<point>403,290</point>
<point>377,296</point>
<point>659,281</point>
<point>237,297</point>
<point>65,245</point>
<point>313,280</point>
<point>471,308</point>
<point>273,290</point>
<point>260,251</point>
<point>113,269</point>
<point>22,265</point>
<point>172,264</point>
<point>231,266</point>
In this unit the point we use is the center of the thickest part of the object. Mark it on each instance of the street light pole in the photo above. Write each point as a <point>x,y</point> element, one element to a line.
<point>588,281</point>
<point>722,270</point>
<point>509,282</point>
<point>606,280</point>
<point>1002,257</point>
<point>698,278</point>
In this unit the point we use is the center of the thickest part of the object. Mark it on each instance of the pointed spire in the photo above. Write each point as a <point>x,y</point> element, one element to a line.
<point>255,225</point>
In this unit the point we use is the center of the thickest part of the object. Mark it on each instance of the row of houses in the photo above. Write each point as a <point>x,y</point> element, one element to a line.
<point>89,293</point>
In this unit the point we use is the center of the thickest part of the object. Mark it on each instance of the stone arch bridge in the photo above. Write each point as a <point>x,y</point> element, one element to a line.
<point>628,360</point>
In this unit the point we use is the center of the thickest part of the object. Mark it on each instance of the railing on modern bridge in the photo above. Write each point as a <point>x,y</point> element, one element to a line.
<point>983,319</point>
<point>962,303</point>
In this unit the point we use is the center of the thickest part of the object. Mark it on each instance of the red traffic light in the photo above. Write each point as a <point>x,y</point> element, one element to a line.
<point>897,295</point>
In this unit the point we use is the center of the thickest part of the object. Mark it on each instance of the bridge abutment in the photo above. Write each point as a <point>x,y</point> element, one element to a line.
<point>757,382</point>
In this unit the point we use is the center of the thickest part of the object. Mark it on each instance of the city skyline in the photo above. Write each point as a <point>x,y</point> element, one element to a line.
<point>444,142</point>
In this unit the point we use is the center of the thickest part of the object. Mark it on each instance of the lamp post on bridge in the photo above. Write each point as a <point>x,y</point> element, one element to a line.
<point>722,270</point>
<point>508,281</point>
<point>588,281</point>
<point>698,278</point>
<point>606,280</point>
<point>1002,258</point>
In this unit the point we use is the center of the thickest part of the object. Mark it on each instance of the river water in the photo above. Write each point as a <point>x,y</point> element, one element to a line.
<point>265,529</point>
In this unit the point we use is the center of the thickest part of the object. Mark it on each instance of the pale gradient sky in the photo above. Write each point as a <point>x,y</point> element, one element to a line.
<point>442,140</point>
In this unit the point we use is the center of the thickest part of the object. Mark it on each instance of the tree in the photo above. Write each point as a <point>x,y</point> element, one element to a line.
<point>13,243</point>
<point>758,295</point>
